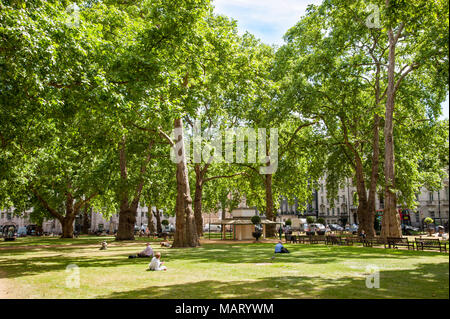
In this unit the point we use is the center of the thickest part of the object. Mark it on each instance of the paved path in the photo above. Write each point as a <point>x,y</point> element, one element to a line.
<point>5,287</point>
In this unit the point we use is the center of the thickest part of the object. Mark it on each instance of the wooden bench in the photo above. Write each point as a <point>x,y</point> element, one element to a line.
<point>350,240</point>
<point>287,237</point>
<point>291,238</point>
<point>317,239</point>
<point>422,243</point>
<point>340,241</point>
<point>304,239</point>
<point>396,242</point>
<point>370,242</point>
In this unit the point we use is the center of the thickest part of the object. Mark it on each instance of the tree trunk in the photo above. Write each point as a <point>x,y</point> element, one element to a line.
<point>390,226</point>
<point>127,220</point>
<point>127,212</point>
<point>151,224</point>
<point>270,228</point>
<point>362,198</point>
<point>198,201</point>
<point>67,226</point>
<point>224,209</point>
<point>185,230</point>
<point>86,220</point>
<point>370,230</point>
<point>69,218</point>
<point>158,221</point>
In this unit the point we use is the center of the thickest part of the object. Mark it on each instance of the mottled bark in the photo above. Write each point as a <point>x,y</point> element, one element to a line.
<point>270,228</point>
<point>390,226</point>
<point>127,220</point>
<point>198,200</point>
<point>185,230</point>
<point>151,224</point>
<point>371,207</point>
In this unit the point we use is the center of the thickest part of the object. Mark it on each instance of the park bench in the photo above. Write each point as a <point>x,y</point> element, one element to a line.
<point>396,242</point>
<point>303,239</point>
<point>357,239</point>
<point>370,242</point>
<point>287,237</point>
<point>422,244</point>
<point>337,240</point>
<point>291,238</point>
<point>317,239</point>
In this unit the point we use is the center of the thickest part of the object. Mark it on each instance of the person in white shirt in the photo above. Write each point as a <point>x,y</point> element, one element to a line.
<point>146,253</point>
<point>156,263</point>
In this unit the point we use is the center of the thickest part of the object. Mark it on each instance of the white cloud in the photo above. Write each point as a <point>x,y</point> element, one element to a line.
<point>267,19</point>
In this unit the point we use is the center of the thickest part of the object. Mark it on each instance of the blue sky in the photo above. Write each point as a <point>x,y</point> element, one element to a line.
<point>270,19</point>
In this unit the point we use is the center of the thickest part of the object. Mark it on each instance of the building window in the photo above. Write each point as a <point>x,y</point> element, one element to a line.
<point>338,211</point>
<point>321,199</point>
<point>8,216</point>
<point>142,214</point>
<point>343,198</point>
<point>328,211</point>
<point>332,211</point>
<point>430,194</point>
<point>446,192</point>
<point>417,216</point>
<point>432,214</point>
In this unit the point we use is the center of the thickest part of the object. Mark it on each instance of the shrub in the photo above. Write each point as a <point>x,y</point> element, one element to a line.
<point>310,219</point>
<point>256,220</point>
<point>288,222</point>
<point>165,222</point>
<point>321,220</point>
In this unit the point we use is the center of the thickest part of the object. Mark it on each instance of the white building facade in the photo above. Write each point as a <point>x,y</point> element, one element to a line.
<point>434,204</point>
<point>96,221</point>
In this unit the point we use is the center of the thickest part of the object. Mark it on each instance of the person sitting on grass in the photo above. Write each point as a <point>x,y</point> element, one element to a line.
<point>104,246</point>
<point>146,253</point>
<point>156,263</point>
<point>280,249</point>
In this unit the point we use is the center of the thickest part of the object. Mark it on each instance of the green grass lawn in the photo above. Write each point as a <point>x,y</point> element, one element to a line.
<point>218,271</point>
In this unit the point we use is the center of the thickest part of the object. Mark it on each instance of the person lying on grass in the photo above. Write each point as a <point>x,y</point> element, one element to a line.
<point>156,263</point>
<point>280,249</point>
<point>165,243</point>
<point>146,253</point>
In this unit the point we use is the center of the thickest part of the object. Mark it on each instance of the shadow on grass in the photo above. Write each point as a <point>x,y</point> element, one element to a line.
<point>35,242</point>
<point>425,281</point>
<point>310,254</point>
<point>217,253</point>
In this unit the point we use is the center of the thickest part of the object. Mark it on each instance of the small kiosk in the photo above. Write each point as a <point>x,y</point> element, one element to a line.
<point>241,225</point>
